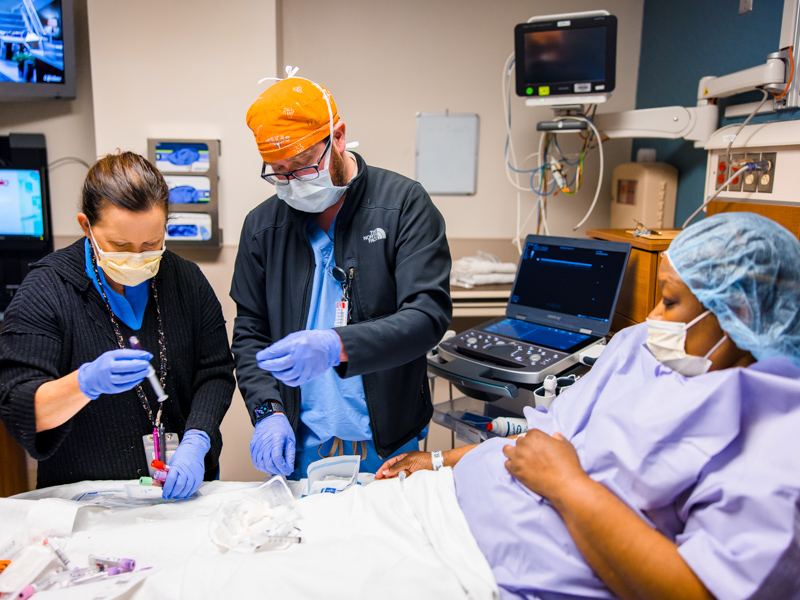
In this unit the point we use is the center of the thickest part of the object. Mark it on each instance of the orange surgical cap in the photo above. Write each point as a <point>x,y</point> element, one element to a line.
<point>289,117</point>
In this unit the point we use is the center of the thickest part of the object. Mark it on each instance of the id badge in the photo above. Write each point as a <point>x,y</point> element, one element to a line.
<point>342,309</point>
<point>172,442</point>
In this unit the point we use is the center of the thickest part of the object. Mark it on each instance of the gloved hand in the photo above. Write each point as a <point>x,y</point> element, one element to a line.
<point>301,356</point>
<point>113,372</point>
<point>272,445</point>
<point>187,465</point>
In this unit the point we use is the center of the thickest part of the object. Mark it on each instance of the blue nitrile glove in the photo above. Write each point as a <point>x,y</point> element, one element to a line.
<point>301,356</point>
<point>113,372</point>
<point>187,466</point>
<point>272,445</point>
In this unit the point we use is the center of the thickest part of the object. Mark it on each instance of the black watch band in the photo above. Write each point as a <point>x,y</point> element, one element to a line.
<point>265,409</point>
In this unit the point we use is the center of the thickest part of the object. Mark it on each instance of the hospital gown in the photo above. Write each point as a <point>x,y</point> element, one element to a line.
<point>712,462</point>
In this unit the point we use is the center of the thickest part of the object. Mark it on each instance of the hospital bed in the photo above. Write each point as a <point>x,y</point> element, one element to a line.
<point>388,539</point>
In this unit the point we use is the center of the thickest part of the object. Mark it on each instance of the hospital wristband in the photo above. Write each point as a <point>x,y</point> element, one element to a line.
<point>437,460</point>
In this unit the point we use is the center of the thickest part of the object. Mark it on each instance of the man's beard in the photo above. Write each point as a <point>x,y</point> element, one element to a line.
<point>338,175</point>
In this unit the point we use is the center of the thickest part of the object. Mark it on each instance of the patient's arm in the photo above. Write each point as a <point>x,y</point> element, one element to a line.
<point>410,462</point>
<point>632,558</point>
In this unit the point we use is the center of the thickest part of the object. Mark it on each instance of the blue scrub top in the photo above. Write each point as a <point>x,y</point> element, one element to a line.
<point>128,308</point>
<point>330,406</point>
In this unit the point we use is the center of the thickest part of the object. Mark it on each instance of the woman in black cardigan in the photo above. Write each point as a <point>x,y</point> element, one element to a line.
<point>71,387</point>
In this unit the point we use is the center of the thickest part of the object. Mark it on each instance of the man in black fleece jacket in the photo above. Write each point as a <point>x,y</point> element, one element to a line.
<point>341,285</point>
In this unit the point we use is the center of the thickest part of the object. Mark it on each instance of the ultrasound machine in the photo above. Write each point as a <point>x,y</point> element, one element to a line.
<point>560,309</point>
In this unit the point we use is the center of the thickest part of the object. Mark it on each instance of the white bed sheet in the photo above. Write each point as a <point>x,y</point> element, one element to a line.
<point>385,540</point>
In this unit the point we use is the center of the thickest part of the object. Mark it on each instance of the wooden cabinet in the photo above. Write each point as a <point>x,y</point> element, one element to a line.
<point>639,293</point>
<point>13,464</point>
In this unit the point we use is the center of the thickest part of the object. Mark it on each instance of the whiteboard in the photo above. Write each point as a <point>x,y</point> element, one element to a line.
<point>447,153</point>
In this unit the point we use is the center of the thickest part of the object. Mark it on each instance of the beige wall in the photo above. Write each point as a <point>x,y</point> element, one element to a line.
<point>384,61</point>
<point>188,68</point>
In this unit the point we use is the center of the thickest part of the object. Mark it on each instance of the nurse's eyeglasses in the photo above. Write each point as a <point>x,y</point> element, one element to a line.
<point>302,174</point>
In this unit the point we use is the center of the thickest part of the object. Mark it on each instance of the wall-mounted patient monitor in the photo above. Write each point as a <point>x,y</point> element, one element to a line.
<point>566,59</point>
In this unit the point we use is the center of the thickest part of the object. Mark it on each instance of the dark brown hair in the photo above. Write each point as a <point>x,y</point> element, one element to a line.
<point>126,180</point>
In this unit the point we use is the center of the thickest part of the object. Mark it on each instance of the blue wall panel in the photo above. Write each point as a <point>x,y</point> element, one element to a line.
<point>684,40</point>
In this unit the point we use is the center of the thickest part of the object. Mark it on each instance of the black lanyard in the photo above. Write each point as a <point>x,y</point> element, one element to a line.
<point>162,347</point>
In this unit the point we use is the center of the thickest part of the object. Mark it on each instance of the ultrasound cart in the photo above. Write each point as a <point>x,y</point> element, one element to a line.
<point>559,313</point>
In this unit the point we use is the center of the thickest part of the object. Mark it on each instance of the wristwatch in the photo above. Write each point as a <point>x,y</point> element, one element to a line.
<point>437,460</point>
<point>265,409</point>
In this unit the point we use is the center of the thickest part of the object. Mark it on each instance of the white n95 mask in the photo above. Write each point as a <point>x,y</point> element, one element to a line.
<point>128,268</point>
<point>667,342</point>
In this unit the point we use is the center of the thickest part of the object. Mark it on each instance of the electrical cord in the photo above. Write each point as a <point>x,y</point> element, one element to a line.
<point>751,166</point>
<point>746,121</point>
<point>511,165</point>
<point>791,73</point>
<point>66,159</point>
<point>747,167</point>
<point>600,174</point>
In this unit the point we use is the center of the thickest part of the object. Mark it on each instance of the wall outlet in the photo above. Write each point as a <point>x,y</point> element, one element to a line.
<point>766,179</point>
<point>736,184</point>
<point>750,179</point>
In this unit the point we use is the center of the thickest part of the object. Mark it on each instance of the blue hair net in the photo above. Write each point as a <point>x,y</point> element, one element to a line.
<point>745,269</point>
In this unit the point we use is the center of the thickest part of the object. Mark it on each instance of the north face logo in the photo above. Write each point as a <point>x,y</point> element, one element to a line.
<point>375,235</point>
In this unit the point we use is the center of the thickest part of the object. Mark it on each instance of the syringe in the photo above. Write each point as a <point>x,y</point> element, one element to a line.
<point>151,372</point>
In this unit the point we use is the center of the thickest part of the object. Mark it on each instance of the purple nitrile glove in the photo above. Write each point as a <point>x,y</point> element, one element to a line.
<point>113,372</point>
<point>187,466</point>
<point>301,356</point>
<point>272,446</point>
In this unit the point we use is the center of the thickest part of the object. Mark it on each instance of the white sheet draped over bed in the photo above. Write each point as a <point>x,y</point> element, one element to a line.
<point>387,540</point>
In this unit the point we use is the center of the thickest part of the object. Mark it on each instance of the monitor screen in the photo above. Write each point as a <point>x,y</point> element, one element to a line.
<point>566,57</point>
<point>21,204</point>
<point>541,335</point>
<point>36,50</point>
<point>566,278</point>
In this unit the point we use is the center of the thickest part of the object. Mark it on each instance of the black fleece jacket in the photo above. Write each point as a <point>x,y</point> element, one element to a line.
<point>57,321</point>
<point>391,238</point>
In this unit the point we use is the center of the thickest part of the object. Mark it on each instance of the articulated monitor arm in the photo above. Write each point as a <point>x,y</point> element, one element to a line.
<point>696,123</point>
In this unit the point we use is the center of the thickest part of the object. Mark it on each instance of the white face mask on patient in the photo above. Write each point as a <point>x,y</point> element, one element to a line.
<point>667,342</point>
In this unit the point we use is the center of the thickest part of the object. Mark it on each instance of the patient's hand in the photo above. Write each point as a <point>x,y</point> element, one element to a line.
<point>410,462</point>
<point>543,464</point>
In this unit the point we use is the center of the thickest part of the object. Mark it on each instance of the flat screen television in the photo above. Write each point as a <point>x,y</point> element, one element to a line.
<point>37,50</point>
<point>25,225</point>
<point>566,60</point>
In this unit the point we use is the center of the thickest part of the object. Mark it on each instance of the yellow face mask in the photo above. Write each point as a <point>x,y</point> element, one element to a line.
<point>128,268</point>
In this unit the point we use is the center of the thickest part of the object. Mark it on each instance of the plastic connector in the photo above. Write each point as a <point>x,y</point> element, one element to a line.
<point>558,173</point>
<point>761,165</point>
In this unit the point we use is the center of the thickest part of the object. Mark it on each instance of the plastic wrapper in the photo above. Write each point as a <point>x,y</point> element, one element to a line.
<point>264,519</point>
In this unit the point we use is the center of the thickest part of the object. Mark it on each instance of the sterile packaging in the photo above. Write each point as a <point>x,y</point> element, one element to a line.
<point>11,547</point>
<point>263,519</point>
<point>26,568</point>
<point>333,474</point>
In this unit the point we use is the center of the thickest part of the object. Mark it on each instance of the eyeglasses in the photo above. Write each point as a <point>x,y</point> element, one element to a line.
<point>302,174</point>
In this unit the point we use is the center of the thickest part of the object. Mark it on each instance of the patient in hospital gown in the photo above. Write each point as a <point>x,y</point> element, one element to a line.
<point>703,468</point>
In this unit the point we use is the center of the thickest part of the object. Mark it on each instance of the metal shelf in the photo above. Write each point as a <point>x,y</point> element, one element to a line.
<point>450,414</point>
